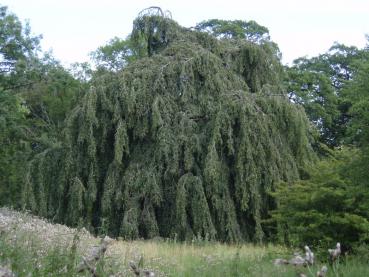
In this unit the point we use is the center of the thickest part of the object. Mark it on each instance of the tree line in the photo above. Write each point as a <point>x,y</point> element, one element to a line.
<point>188,132</point>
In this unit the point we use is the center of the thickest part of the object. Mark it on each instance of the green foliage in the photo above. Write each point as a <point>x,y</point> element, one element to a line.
<point>16,42</point>
<point>319,85</point>
<point>356,93</point>
<point>185,133</point>
<point>153,31</point>
<point>330,205</point>
<point>14,146</point>
<point>36,94</point>
<point>240,30</point>
<point>186,141</point>
<point>249,30</point>
<point>18,50</point>
<point>54,95</point>
<point>314,92</point>
<point>116,54</point>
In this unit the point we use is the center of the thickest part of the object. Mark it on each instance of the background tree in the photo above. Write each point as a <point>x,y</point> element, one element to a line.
<point>232,29</point>
<point>36,93</point>
<point>314,92</point>
<point>330,203</point>
<point>356,94</point>
<point>116,54</point>
<point>14,146</point>
<point>18,48</point>
<point>317,85</point>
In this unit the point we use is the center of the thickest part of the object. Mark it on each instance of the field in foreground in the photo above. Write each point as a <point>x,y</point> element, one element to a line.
<point>30,246</point>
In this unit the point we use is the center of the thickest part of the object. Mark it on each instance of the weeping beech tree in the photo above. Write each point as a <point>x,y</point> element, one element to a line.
<point>186,141</point>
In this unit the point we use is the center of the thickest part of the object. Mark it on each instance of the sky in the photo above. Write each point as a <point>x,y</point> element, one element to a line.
<point>74,28</point>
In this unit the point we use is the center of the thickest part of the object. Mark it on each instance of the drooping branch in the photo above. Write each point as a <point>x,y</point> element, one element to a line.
<point>185,142</point>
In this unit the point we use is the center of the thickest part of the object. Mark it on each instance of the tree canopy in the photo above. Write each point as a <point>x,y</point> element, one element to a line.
<point>249,30</point>
<point>187,140</point>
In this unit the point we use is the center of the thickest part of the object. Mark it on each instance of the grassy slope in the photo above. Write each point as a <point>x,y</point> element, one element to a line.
<point>31,246</point>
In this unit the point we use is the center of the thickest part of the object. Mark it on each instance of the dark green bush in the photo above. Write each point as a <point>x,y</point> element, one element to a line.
<point>329,206</point>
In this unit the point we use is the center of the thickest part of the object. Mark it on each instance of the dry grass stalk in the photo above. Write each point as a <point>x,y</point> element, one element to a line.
<point>96,253</point>
<point>140,272</point>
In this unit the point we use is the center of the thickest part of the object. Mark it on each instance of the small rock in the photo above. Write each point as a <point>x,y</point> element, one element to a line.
<point>280,261</point>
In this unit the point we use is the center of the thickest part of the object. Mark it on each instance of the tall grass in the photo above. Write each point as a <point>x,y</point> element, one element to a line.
<point>25,252</point>
<point>215,259</point>
<point>25,257</point>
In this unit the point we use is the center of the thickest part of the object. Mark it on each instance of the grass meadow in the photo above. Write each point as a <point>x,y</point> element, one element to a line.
<point>30,246</point>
